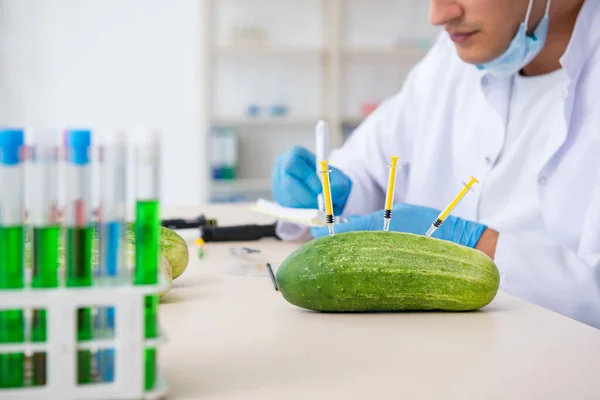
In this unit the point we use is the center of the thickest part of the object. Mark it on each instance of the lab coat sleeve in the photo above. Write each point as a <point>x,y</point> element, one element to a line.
<point>365,155</point>
<point>545,273</point>
<point>388,131</point>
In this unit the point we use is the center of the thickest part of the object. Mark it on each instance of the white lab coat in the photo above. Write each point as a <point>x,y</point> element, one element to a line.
<point>448,123</point>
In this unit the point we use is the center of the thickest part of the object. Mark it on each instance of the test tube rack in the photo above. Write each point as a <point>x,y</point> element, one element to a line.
<point>61,305</point>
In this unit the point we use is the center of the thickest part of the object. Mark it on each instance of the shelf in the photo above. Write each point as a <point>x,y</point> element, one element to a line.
<point>357,120</point>
<point>387,52</point>
<point>276,51</point>
<point>263,122</point>
<point>323,51</point>
<point>240,185</point>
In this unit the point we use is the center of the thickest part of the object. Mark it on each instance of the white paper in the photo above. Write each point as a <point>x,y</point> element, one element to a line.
<point>300,216</point>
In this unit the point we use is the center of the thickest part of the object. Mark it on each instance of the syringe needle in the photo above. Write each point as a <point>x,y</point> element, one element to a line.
<point>431,229</point>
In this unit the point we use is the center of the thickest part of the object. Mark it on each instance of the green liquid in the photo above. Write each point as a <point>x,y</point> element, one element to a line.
<point>79,273</point>
<point>45,275</point>
<point>150,368</point>
<point>11,322</point>
<point>147,235</point>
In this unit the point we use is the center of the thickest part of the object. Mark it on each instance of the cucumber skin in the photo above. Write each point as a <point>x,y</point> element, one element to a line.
<point>387,271</point>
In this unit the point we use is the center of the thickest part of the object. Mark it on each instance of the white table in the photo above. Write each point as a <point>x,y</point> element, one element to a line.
<point>235,337</point>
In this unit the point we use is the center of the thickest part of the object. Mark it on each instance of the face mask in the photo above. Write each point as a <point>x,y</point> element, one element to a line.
<point>522,50</point>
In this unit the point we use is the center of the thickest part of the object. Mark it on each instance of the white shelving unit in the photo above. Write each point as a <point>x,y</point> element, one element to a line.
<point>321,58</point>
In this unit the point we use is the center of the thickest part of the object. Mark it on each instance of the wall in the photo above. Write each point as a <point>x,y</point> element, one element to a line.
<point>321,58</point>
<point>100,63</point>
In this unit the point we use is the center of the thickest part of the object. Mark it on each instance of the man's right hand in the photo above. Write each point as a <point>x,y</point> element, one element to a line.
<point>295,183</point>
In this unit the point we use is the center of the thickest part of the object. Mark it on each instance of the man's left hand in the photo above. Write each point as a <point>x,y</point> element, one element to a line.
<point>413,219</point>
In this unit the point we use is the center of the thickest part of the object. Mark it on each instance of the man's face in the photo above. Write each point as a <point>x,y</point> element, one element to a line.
<point>482,29</point>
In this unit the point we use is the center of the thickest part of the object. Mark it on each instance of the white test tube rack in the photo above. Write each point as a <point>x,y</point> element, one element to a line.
<point>61,346</point>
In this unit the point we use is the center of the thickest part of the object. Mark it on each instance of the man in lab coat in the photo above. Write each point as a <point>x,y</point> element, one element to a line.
<point>509,94</point>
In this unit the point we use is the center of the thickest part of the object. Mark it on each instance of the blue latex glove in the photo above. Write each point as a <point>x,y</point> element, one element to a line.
<point>413,219</point>
<point>295,183</point>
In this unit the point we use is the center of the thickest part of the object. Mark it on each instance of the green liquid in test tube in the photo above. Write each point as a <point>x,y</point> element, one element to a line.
<point>147,230</point>
<point>12,328</point>
<point>43,159</point>
<point>79,229</point>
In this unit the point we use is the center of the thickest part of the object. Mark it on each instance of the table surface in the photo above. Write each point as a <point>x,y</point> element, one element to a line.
<point>232,336</point>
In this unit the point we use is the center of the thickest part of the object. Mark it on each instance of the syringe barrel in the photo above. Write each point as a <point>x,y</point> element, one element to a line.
<point>43,166</point>
<point>78,211</point>
<point>12,193</point>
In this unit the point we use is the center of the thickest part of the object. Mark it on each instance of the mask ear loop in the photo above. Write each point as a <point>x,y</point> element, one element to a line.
<point>548,7</point>
<point>530,7</point>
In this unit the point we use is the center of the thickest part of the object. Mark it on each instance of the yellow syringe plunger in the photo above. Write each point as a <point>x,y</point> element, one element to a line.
<point>327,196</point>
<point>444,214</point>
<point>389,199</point>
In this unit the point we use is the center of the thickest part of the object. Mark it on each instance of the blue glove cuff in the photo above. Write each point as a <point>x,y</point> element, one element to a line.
<point>471,232</point>
<point>340,203</point>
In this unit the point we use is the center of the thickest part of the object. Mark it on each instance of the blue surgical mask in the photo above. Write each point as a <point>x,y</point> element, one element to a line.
<point>522,50</point>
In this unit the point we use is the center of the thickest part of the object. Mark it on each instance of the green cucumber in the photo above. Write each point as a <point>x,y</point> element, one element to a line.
<point>172,247</point>
<point>387,271</point>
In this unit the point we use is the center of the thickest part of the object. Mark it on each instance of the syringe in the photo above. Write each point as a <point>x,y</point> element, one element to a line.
<point>43,160</point>
<point>112,233</point>
<point>11,252</point>
<point>147,231</point>
<point>444,214</point>
<point>322,151</point>
<point>329,217</point>
<point>78,222</point>
<point>389,199</point>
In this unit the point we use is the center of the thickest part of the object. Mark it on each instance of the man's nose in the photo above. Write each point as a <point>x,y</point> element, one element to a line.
<point>444,11</point>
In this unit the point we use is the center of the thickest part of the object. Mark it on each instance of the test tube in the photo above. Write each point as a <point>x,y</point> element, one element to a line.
<point>444,214</point>
<point>78,223</point>
<point>43,163</point>
<point>329,217</point>
<point>147,230</point>
<point>112,235</point>
<point>12,212</point>
<point>389,200</point>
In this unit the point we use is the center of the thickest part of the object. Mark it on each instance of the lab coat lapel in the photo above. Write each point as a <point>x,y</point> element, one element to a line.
<point>558,135</point>
<point>492,124</point>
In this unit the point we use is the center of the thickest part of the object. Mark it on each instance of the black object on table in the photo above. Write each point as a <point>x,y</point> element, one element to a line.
<point>179,223</point>
<point>237,233</point>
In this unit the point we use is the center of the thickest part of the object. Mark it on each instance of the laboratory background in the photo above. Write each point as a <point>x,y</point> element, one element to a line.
<point>163,268</point>
<point>231,83</point>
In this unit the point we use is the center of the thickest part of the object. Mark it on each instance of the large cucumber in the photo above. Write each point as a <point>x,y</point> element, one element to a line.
<point>172,247</point>
<point>387,271</point>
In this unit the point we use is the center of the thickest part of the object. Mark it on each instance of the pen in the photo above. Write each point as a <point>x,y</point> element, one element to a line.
<point>181,223</point>
<point>237,233</point>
